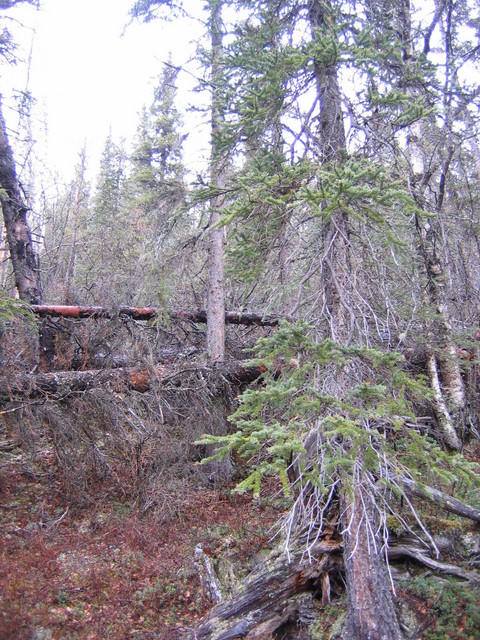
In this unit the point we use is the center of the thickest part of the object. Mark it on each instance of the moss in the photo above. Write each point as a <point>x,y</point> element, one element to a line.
<point>328,623</point>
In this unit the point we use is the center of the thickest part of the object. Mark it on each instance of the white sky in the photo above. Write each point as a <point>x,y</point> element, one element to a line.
<point>86,76</point>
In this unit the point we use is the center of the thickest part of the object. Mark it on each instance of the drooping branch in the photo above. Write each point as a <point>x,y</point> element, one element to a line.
<point>149,313</point>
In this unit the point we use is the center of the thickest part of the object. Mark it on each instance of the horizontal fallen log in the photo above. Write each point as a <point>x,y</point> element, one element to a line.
<point>63,383</point>
<point>447,503</point>
<point>148,313</point>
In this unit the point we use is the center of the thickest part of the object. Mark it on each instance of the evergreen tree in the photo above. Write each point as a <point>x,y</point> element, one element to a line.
<point>107,255</point>
<point>156,181</point>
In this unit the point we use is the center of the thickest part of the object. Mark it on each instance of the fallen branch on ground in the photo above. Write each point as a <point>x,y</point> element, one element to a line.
<point>420,555</point>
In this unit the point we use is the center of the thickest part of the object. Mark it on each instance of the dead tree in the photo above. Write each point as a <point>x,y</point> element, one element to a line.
<point>19,238</point>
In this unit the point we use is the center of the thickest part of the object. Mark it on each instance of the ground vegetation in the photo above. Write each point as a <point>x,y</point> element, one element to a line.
<point>282,440</point>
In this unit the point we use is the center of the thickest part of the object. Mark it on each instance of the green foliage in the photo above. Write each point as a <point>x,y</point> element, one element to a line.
<point>364,417</point>
<point>456,606</point>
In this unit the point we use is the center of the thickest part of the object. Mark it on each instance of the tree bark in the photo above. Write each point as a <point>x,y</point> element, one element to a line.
<point>24,260</point>
<point>266,599</point>
<point>446,502</point>
<point>370,614</point>
<point>62,383</point>
<point>370,611</point>
<point>216,292</point>
<point>148,313</point>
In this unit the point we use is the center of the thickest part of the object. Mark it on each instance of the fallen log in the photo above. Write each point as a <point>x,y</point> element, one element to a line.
<point>267,598</point>
<point>63,383</point>
<point>148,313</point>
<point>448,503</point>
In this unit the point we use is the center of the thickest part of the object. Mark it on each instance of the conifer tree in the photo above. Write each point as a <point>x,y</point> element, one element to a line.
<point>156,180</point>
<point>106,258</point>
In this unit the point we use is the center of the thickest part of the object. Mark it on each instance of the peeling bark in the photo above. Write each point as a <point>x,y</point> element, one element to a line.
<point>445,424</point>
<point>24,260</point>
<point>266,599</point>
<point>148,313</point>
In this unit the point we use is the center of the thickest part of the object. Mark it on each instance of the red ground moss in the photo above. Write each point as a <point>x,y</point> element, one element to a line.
<point>104,572</point>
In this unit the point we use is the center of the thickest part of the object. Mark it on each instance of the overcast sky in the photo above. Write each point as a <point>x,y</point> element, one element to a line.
<point>86,76</point>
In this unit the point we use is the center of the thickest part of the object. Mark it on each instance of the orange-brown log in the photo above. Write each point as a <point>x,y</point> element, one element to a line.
<point>148,313</point>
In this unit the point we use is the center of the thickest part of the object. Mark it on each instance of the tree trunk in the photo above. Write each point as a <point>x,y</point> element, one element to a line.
<point>371,614</point>
<point>216,292</point>
<point>24,260</point>
<point>72,257</point>
<point>63,383</point>
<point>444,369</point>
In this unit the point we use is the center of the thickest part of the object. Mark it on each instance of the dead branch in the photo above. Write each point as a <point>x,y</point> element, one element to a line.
<point>453,505</point>
<point>420,555</point>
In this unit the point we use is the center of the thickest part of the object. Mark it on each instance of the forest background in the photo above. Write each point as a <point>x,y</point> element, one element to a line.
<point>335,219</point>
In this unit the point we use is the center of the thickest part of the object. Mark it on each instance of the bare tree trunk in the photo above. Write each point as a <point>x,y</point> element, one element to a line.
<point>19,238</point>
<point>72,258</point>
<point>216,291</point>
<point>370,613</point>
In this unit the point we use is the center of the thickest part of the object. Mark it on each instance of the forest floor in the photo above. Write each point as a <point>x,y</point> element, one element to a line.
<point>103,571</point>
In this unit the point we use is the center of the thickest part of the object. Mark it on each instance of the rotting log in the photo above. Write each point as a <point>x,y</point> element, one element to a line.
<point>266,599</point>
<point>64,383</point>
<point>270,596</point>
<point>148,313</point>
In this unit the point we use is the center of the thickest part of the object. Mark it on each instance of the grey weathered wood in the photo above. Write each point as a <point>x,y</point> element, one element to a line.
<point>266,599</point>
<point>446,502</point>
